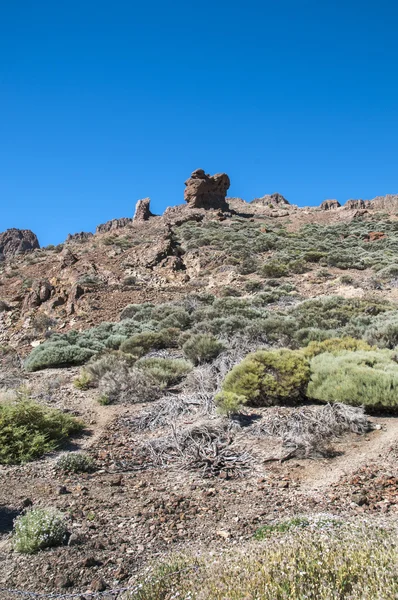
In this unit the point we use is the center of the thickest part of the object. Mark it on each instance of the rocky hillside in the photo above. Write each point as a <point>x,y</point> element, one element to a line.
<point>187,441</point>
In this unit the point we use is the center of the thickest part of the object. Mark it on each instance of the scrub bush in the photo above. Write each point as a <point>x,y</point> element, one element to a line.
<point>202,348</point>
<point>265,378</point>
<point>75,462</point>
<point>165,371</point>
<point>56,354</point>
<point>361,378</point>
<point>37,529</point>
<point>28,430</point>
<point>335,345</point>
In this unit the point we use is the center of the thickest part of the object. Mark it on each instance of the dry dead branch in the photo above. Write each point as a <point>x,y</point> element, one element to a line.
<point>208,448</point>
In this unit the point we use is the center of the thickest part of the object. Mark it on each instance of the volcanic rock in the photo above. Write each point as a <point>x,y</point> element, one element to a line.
<point>356,204</point>
<point>17,241</point>
<point>113,224</point>
<point>330,205</point>
<point>142,212</point>
<point>40,292</point>
<point>67,258</point>
<point>273,199</point>
<point>207,191</point>
<point>79,237</point>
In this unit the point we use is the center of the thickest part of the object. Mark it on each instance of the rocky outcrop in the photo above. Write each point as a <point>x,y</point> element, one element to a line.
<point>83,236</point>
<point>207,191</point>
<point>330,205</point>
<point>357,204</point>
<point>40,292</point>
<point>17,241</point>
<point>177,215</point>
<point>388,202</point>
<point>113,224</point>
<point>271,199</point>
<point>142,211</point>
<point>67,258</point>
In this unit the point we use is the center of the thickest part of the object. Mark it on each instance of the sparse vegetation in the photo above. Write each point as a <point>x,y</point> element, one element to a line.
<point>28,430</point>
<point>348,563</point>
<point>75,462</point>
<point>37,529</point>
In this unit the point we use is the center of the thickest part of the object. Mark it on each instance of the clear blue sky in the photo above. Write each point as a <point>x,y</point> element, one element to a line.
<point>104,102</point>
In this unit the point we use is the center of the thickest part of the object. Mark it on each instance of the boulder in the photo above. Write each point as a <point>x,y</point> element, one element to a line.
<point>40,292</point>
<point>207,191</point>
<point>374,236</point>
<point>67,258</point>
<point>142,212</point>
<point>330,205</point>
<point>17,241</point>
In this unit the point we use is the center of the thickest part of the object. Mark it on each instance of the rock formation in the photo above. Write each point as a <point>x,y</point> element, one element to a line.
<point>273,199</point>
<point>40,292</point>
<point>17,241</point>
<point>355,204</point>
<point>79,237</point>
<point>67,258</point>
<point>113,224</point>
<point>142,211</point>
<point>388,202</point>
<point>207,191</point>
<point>330,205</point>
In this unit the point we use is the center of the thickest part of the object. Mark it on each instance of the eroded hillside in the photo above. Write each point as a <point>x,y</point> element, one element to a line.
<point>145,331</point>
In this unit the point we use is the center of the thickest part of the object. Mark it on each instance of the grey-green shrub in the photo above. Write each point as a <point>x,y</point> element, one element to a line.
<point>37,529</point>
<point>75,462</point>
<point>368,378</point>
<point>382,331</point>
<point>202,347</point>
<point>56,354</point>
<point>165,371</point>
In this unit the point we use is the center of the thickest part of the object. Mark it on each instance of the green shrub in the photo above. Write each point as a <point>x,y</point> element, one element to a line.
<point>314,256</point>
<point>253,285</point>
<point>265,378</point>
<point>115,341</point>
<point>141,343</point>
<point>335,345</point>
<point>28,430</point>
<point>56,354</point>
<point>202,347</point>
<point>274,269</point>
<point>37,529</point>
<point>389,272</point>
<point>346,279</point>
<point>368,378</point>
<point>165,371</point>
<point>383,330</point>
<point>75,462</point>
<point>84,381</point>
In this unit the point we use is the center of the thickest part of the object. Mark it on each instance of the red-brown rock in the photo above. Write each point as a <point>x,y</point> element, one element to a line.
<point>17,241</point>
<point>207,191</point>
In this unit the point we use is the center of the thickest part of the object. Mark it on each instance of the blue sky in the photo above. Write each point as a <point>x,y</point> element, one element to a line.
<point>103,103</point>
